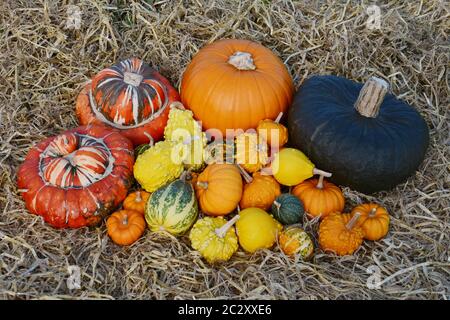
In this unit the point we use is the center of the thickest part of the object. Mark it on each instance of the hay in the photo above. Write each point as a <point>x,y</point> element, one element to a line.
<point>42,67</point>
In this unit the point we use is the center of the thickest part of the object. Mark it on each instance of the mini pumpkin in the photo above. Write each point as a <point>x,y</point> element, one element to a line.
<point>76,178</point>
<point>319,197</point>
<point>251,152</point>
<point>244,81</point>
<point>291,167</point>
<point>129,96</point>
<point>274,133</point>
<point>125,226</point>
<point>136,201</point>
<point>214,238</point>
<point>287,209</point>
<point>368,139</point>
<point>260,192</point>
<point>295,241</point>
<point>219,189</point>
<point>374,220</point>
<point>256,229</point>
<point>340,235</point>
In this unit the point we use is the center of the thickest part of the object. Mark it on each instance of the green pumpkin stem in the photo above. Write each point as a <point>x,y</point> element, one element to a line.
<point>371,97</point>
<point>222,231</point>
<point>353,220</point>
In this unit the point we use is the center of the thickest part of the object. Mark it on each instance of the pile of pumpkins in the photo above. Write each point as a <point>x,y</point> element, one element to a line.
<point>215,162</point>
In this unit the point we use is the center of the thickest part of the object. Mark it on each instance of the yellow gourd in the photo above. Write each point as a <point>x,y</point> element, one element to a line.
<point>256,229</point>
<point>214,238</point>
<point>182,128</point>
<point>291,167</point>
<point>158,165</point>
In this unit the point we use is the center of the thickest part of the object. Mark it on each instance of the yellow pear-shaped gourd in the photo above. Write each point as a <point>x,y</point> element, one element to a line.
<point>256,229</point>
<point>214,238</point>
<point>291,167</point>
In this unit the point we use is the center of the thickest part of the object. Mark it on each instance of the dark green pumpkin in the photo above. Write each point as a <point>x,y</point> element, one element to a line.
<point>287,209</point>
<point>370,152</point>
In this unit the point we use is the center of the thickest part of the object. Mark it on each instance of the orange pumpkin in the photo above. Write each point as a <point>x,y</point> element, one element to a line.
<point>269,129</point>
<point>129,96</point>
<point>319,197</point>
<point>219,189</point>
<point>374,220</point>
<point>339,235</point>
<point>136,201</point>
<point>260,192</point>
<point>251,152</point>
<point>245,82</point>
<point>125,226</point>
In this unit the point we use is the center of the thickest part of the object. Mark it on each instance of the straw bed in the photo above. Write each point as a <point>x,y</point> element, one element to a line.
<point>43,66</point>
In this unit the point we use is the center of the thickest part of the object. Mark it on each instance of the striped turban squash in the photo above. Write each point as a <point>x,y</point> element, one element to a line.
<point>74,179</point>
<point>129,96</point>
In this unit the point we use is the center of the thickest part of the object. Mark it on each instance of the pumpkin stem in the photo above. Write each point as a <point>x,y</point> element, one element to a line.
<point>371,97</point>
<point>278,205</point>
<point>242,61</point>
<point>351,223</point>
<point>177,105</point>
<point>247,177</point>
<point>277,120</point>
<point>133,79</point>
<point>372,212</point>
<point>125,220</point>
<point>322,173</point>
<point>222,231</point>
<point>151,141</point>
<point>138,197</point>
<point>320,183</point>
<point>202,184</point>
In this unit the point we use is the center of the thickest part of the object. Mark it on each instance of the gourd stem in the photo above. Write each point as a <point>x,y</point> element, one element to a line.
<point>138,197</point>
<point>277,120</point>
<point>247,177</point>
<point>125,220</point>
<point>278,205</point>
<point>351,223</point>
<point>320,183</point>
<point>202,184</point>
<point>242,61</point>
<point>177,105</point>
<point>151,141</point>
<point>371,97</point>
<point>322,173</point>
<point>372,212</point>
<point>222,231</point>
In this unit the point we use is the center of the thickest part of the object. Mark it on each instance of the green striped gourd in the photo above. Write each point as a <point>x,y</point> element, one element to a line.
<point>172,208</point>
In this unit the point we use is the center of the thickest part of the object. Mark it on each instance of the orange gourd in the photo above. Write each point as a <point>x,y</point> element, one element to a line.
<point>260,192</point>
<point>340,235</point>
<point>136,201</point>
<point>219,189</point>
<point>374,220</point>
<point>269,129</point>
<point>242,82</point>
<point>125,226</point>
<point>251,152</point>
<point>319,197</point>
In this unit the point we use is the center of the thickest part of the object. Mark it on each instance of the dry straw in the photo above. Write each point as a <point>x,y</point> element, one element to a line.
<point>43,65</point>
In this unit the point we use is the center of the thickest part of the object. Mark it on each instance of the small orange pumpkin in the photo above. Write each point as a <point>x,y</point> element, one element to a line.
<point>339,235</point>
<point>136,201</point>
<point>125,226</point>
<point>260,192</point>
<point>219,189</point>
<point>319,197</point>
<point>268,128</point>
<point>374,220</point>
<point>251,151</point>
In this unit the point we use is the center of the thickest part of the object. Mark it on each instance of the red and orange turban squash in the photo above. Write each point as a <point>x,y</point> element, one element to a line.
<point>77,177</point>
<point>129,96</point>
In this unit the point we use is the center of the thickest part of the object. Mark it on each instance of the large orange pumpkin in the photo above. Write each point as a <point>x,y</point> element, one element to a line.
<point>76,178</point>
<point>233,84</point>
<point>129,96</point>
